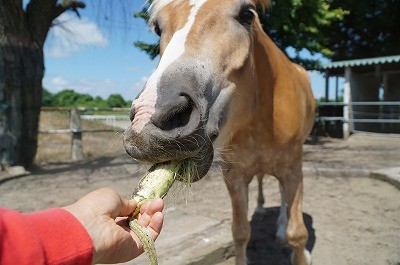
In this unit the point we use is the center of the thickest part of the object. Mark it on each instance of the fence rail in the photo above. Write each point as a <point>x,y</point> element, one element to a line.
<point>75,125</point>
<point>83,109</point>
<point>66,131</point>
<point>359,120</point>
<point>352,117</point>
<point>371,116</point>
<point>361,103</point>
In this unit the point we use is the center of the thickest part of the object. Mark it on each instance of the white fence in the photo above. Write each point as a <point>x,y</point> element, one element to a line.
<point>381,116</point>
<point>121,121</point>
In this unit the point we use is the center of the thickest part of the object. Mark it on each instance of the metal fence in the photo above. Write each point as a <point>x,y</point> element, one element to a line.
<point>381,116</point>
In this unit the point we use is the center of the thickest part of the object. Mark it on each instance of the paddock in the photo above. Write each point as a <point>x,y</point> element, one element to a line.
<point>352,217</point>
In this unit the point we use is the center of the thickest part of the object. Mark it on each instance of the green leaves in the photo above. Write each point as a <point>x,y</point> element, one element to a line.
<point>370,30</point>
<point>70,98</point>
<point>116,101</point>
<point>335,29</point>
<point>298,23</point>
<point>151,49</point>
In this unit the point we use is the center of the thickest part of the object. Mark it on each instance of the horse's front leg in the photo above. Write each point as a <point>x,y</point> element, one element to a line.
<point>238,190</point>
<point>291,180</point>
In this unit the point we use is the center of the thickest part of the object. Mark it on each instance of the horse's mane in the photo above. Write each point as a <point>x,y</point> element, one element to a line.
<point>157,5</point>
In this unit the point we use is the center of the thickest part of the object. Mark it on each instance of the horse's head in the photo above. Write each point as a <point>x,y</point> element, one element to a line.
<point>204,87</point>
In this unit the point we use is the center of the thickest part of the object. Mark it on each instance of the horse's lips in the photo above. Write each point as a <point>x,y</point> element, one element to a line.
<point>202,163</point>
<point>202,159</point>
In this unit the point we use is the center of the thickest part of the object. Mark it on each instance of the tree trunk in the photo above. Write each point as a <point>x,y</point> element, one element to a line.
<point>23,32</point>
<point>21,73</point>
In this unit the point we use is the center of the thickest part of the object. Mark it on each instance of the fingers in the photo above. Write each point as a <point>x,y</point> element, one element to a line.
<point>156,224</point>
<point>151,217</point>
<point>151,207</point>
<point>127,207</point>
<point>148,210</point>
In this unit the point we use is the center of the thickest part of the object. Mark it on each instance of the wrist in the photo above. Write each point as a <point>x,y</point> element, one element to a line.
<point>88,221</point>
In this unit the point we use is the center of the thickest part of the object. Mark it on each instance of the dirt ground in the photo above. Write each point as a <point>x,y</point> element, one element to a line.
<point>352,219</point>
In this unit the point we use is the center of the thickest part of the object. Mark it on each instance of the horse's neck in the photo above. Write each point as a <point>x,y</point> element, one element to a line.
<point>284,92</point>
<point>270,62</point>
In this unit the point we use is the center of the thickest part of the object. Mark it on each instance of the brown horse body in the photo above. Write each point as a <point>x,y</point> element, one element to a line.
<point>271,143</point>
<point>222,84</point>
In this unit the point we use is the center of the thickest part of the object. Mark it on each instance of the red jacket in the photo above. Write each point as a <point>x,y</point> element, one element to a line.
<point>48,237</point>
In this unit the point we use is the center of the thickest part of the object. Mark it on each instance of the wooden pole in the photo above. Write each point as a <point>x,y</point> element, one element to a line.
<point>347,111</point>
<point>326,85</point>
<point>337,89</point>
<point>76,142</point>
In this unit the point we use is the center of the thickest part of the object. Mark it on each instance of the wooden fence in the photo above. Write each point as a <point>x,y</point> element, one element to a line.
<point>76,130</point>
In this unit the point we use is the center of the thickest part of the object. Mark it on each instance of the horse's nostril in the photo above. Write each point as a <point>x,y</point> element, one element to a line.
<point>213,135</point>
<point>132,113</point>
<point>174,114</point>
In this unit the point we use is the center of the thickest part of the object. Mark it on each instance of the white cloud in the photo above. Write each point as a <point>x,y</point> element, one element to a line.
<point>55,84</point>
<point>94,87</point>
<point>72,34</point>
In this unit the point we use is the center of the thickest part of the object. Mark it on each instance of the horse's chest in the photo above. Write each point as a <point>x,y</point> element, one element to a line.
<point>251,155</point>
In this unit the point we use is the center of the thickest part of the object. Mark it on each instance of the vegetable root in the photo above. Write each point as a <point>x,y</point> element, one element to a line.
<point>155,184</point>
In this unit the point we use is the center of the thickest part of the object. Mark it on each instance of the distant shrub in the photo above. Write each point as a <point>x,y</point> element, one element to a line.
<point>70,98</point>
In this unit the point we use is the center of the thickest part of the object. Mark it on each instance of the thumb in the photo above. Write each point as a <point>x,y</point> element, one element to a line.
<point>127,207</point>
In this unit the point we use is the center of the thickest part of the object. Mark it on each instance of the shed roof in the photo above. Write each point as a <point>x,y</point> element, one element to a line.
<point>364,65</point>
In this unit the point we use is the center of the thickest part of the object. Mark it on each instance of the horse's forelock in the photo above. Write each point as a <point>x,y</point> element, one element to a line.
<point>155,7</point>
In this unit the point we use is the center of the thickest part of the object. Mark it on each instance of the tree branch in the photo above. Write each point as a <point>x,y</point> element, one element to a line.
<point>41,13</point>
<point>38,18</point>
<point>66,5</point>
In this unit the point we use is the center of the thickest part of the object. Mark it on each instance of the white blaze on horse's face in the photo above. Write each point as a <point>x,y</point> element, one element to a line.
<point>145,103</point>
<point>204,87</point>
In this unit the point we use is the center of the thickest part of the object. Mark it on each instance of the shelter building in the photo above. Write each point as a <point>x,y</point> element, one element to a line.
<point>371,96</point>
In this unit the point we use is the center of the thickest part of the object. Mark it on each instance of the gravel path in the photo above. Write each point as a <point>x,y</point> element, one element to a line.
<point>351,219</point>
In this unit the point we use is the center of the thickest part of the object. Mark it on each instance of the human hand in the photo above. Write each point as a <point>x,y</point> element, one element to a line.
<point>103,214</point>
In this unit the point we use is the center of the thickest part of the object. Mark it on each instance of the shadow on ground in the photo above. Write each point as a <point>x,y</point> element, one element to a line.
<point>54,168</point>
<point>262,248</point>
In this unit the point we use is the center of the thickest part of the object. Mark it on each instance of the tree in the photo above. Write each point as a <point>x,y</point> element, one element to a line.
<point>47,98</point>
<point>23,32</point>
<point>97,102</point>
<point>70,98</point>
<point>151,49</point>
<point>370,30</point>
<point>336,29</point>
<point>116,101</point>
<point>290,23</point>
<point>299,24</point>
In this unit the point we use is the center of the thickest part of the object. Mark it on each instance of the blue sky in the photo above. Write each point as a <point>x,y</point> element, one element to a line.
<point>95,54</point>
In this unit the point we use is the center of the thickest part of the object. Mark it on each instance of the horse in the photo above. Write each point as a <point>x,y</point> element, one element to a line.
<point>222,84</point>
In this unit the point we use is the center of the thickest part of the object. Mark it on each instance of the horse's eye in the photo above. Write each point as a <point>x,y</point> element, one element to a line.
<point>246,16</point>
<point>157,29</point>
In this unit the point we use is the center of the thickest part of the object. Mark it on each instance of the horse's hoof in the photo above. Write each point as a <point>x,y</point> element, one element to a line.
<point>307,257</point>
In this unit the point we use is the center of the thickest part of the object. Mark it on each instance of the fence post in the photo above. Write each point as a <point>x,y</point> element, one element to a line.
<point>76,141</point>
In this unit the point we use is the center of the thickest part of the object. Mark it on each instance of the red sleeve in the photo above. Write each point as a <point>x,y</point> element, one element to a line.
<point>48,237</point>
